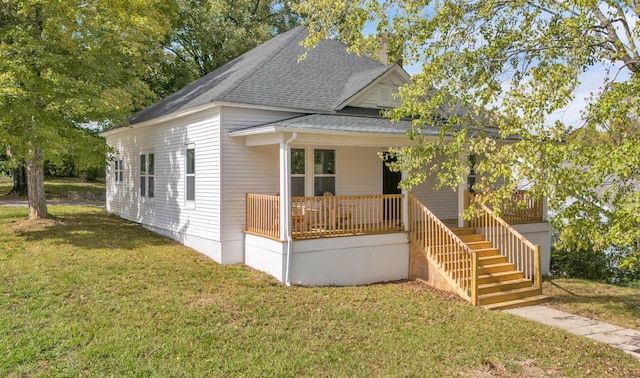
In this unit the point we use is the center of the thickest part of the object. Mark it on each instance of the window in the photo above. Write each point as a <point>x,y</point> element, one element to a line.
<point>191,174</point>
<point>324,172</point>
<point>297,172</point>
<point>147,175</point>
<point>118,170</point>
<point>471,178</point>
<point>143,175</point>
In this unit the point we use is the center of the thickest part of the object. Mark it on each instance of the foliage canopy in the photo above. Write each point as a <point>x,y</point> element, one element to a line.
<point>510,65</point>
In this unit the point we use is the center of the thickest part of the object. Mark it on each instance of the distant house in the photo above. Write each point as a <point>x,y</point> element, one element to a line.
<point>276,163</point>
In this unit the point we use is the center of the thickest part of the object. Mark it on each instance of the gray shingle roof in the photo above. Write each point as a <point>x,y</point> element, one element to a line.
<point>270,75</point>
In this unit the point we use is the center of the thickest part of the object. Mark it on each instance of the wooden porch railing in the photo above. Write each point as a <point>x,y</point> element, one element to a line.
<point>329,216</point>
<point>522,209</point>
<point>263,215</point>
<point>326,216</point>
<point>517,210</point>
<point>455,260</point>
<point>510,243</point>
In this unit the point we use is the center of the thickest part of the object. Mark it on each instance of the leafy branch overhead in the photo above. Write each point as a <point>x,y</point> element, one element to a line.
<point>510,65</point>
<point>65,64</point>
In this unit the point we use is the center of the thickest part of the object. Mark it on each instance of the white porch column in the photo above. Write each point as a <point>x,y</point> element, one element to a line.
<point>285,197</point>
<point>405,206</point>
<point>462,186</point>
<point>545,209</point>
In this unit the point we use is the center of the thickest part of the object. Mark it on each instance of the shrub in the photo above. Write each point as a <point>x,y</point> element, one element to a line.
<point>618,265</point>
<point>590,264</point>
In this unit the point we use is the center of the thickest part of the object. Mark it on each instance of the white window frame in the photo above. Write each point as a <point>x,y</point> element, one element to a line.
<point>335,170</point>
<point>118,170</point>
<point>147,175</point>
<point>472,176</point>
<point>190,202</point>
<point>300,175</point>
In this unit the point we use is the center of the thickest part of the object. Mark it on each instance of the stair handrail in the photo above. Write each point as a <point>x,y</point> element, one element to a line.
<point>444,249</point>
<point>510,243</point>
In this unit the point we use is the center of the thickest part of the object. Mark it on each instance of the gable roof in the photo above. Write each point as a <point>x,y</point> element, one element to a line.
<point>270,75</point>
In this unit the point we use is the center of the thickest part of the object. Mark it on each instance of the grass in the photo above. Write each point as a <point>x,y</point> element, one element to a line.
<point>608,303</point>
<point>58,187</point>
<point>89,294</point>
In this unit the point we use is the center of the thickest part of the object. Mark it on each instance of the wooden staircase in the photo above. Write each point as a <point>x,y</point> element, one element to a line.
<point>500,285</point>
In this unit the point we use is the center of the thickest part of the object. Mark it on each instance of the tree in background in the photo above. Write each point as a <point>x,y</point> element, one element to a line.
<point>66,64</point>
<point>509,65</point>
<point>209,33</point>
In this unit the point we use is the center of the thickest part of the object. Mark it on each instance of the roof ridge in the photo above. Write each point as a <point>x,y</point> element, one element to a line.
<point>264,61</point>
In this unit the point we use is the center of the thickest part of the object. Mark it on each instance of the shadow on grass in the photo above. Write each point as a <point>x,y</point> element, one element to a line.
<point>550,280</point>
<point>594,297</point>
<point>89,229</point>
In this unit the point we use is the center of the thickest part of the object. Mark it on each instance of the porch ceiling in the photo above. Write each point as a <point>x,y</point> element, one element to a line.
<point>336,129</point>
<point>328,129</point>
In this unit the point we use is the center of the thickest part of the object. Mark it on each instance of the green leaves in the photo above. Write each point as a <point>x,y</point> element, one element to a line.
<point>495,66</point>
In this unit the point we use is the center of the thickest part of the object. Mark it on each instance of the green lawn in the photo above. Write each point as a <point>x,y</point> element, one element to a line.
<point>59,186</point>
<point>608,303</point>
<point>89,294</point>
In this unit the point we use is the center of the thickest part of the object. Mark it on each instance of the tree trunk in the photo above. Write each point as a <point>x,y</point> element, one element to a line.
<point>35,178</point>
<point>19,181</point>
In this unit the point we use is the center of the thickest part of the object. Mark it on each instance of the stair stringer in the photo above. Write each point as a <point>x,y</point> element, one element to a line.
<point>435,275</point>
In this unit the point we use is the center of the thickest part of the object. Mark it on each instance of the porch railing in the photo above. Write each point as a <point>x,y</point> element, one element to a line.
<point>519,209</point>
<point>326,216</point>
<point>329,216</point>
<point>510,243</point>
<point>455,260</point>
<point>263,215</point>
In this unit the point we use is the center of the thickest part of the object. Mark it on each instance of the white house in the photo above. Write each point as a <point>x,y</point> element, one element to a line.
<point>276,163</point>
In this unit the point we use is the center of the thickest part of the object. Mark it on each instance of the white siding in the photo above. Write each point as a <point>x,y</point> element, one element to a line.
<point>167,211</point>
<point>381,95</point>
<point>443,203</point>
<point>244,170</point>
<point>359,171</point>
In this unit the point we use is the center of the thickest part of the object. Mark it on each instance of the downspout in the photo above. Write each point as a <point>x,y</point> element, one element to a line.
<point>287,208</point>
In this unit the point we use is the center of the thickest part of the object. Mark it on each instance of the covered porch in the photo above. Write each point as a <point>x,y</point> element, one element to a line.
<point>333,213</point>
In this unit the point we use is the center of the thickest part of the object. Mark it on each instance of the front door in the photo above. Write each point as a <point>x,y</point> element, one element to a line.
<point>390,181</point>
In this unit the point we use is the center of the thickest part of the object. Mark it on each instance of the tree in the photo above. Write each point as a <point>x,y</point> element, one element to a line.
<point>66,65</point>
<point>510,65</point>
<point>209,33</point>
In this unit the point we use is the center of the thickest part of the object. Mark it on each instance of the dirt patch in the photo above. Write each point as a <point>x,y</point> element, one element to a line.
<point>29,225</point>
<point>494,368</point>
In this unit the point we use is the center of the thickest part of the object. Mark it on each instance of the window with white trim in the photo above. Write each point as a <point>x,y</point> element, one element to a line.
<point>324,171</point>
<point>147,175</point>
<point>297,172</point>
<point>471,177</point>
<point>190,174</point>
<point>119,168</point>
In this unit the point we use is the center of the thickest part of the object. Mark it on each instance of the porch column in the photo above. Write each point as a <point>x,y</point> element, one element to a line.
<point>545,210</point>
<point>285,197</point>
<point>462,186</point>
<point>405,205</point>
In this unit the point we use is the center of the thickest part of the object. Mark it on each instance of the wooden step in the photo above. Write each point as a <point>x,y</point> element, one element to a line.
<point>499,277</point>
<point>484,244</point>
<point>509,295</point>
<point>503,286</point>
<point>464,231</point>
<point>531,301</point>
<point>471,238</point>
<point>494,268</point>
<point>491,260</point>
<point>486,252</point>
